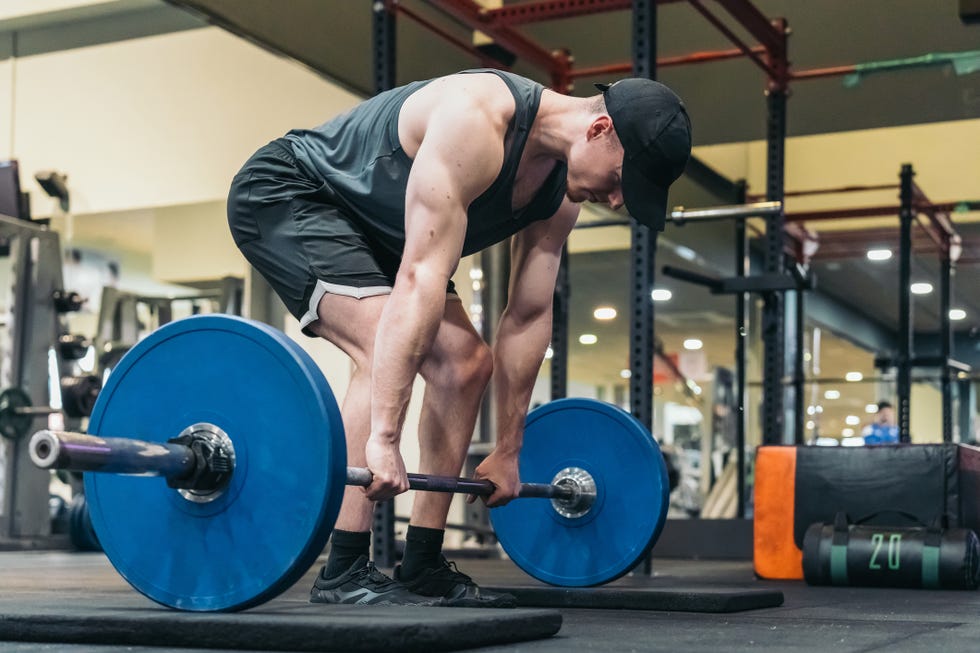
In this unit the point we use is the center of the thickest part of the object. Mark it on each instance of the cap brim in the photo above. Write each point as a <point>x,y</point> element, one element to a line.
<point>645,200</point>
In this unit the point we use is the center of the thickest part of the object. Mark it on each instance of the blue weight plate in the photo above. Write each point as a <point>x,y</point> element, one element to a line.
<point>260,536</point>
<point>632,493</point>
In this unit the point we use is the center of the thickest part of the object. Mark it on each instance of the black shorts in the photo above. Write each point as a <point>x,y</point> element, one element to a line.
<point>293,229</point>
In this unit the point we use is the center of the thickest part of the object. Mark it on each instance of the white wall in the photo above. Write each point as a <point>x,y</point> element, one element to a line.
<point>156,121</point>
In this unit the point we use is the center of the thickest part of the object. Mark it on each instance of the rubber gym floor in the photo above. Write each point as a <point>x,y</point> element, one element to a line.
<point>46,588</point>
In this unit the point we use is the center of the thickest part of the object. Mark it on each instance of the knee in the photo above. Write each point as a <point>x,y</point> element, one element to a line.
<point>468,370</point>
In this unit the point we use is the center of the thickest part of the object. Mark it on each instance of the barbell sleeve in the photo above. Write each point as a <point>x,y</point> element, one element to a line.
<point>87,453</point>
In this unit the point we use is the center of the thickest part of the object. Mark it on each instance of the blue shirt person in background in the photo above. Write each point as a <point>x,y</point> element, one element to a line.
<point>883,429</point>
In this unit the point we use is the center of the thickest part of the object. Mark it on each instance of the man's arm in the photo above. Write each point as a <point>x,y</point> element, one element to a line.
<point>523,335</point>
<point>458,158</point>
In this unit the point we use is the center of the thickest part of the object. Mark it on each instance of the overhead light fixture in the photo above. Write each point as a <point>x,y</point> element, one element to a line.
<point>588,339</point>
<point>957,314</point>
<point>853,377</point>
<point>604,313</point>
<point>871,409</point>
<point>625,374</point>
<point>810,425</point>
<point>879,254</point>
<point>549,354</point>
<point>921,288</point>
<point>693,344</point>
<point>847,433</point>
<point>661,295</point>
<point>832,394</point>
<point>852,420</point>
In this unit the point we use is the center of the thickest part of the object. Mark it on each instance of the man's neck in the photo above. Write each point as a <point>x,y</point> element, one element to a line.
<point>558,121</point>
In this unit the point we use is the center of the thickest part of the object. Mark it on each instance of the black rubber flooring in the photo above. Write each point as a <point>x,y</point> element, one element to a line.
<point>810,618</point>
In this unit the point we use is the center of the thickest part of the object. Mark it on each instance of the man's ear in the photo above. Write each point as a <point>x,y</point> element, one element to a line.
<point>602,125</point>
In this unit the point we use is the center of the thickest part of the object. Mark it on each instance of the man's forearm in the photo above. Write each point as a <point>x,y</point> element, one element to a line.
<point>518,353</point>
<point>406,330</point>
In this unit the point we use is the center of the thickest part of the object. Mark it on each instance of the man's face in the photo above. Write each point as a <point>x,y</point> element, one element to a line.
<point>886,416</point>
<point>595,166</point>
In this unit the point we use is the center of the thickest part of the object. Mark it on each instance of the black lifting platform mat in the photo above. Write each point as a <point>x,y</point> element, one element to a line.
<point>280,628</point>
<point>698,599</point>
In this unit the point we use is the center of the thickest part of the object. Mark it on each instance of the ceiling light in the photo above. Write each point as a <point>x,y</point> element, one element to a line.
<point>693,344</point>
<point>847,433</point>
<point>588,339</point>
<point>549,353</point>
<point>879,254</point>
<point>832,394</point>
<point>853,376</point>
<point>604,313</point>
<point>625,374</point>
<point>661,295</point>
<point>476,273</point>
<point>685,252</point>
<point>957,314</point>
<point>921,288</point>
<point>871,409</point>
<point>810,425</point>
<point>852,420</point>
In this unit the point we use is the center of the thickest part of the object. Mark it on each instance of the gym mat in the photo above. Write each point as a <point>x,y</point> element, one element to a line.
<point>288,627</point>
<point>698,599</point>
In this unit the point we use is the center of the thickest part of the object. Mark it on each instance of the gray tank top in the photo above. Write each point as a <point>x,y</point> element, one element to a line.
<point>359,156</point>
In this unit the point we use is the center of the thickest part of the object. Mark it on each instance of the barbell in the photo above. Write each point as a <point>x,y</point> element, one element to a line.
<point>245,430</point>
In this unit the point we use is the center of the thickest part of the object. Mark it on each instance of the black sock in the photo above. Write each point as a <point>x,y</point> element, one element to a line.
<point>345,548</point>
<point>423,546</point>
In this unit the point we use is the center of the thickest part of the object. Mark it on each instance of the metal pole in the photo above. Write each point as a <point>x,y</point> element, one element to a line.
<point>741,362</point>
<point>946,339</point>
<point>906,215</point>
<point>773,313</point>
<point>384,31</point>
<point>559,330</point>
<point>643,248</point>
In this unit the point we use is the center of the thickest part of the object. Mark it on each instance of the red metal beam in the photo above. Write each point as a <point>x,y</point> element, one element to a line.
<point>756,23</point>
<point>664,62</point>
<point>485,61</point>
<point>469,13</point>
<point>816,73</point>
<point>741,45</point>
<point>531,12</point>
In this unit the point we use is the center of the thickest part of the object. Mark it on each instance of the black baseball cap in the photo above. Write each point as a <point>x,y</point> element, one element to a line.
<point>653,126</point>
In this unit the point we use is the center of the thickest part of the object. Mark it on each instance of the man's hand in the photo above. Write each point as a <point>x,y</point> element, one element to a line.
<point>501,470</point>
<point>386,464</point>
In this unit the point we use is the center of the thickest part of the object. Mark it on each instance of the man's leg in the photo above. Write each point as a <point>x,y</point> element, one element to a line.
<point>456,374</point>
<point>347,577</point>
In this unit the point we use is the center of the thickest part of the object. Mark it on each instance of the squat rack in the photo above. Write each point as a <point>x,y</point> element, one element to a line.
<point>936,224</point>
<point>770,55</point>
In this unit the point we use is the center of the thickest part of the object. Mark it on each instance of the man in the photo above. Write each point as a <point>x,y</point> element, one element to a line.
<point>883,429</point>
<point>359,224</point>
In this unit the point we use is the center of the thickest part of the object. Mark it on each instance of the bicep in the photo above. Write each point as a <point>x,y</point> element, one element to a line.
<point>457,160</point>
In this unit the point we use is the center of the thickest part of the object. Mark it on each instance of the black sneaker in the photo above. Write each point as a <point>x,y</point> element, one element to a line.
<point>456,588</point>
<point>363,584</point>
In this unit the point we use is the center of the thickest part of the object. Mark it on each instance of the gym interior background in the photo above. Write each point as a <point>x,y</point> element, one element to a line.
<point>148,108</point>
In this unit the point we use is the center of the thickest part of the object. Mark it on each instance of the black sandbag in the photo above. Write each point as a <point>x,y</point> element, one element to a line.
<point>865,555</point>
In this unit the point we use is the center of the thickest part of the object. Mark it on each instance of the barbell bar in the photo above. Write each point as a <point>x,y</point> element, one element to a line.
<point>178,462</point>
<point>246,431</point>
